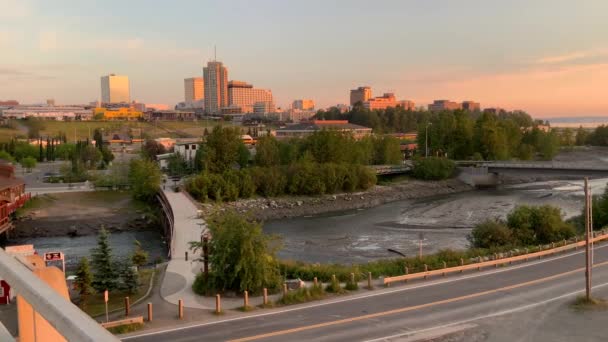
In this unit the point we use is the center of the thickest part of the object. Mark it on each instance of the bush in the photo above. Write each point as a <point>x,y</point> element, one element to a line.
<point>269,181</point>
<point>302,295</point>
<point>433,168</point>
<point>334,286</point>
<point>366,177</point>
<point>491,233</point>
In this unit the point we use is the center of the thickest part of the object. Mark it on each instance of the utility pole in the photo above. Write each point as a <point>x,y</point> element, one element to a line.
<point>588,232</point>
<point>426,139</point>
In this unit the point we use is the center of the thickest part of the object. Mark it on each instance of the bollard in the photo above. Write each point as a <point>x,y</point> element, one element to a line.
<point>180,309</point>
<point>575,242</point>
<point>186,255</point>
<point>495,258</point>
<point>552,245</point>
<point>444,266</point>
<point>285,288</point>
<point>352,278</point>
<point>407,271</point>
<point>479,261</point>
<point>245,299</point>
<point>369,280</point>
<point>461,263</point>
<point>315,281</point>
<point>149,312</point>
<point>127,307</point>
<point>265,296</point>
<point>426,269</point>
<point>218,304</point>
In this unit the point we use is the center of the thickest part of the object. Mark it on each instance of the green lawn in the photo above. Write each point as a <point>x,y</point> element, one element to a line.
<point>96,305</point>
<point>6,134</point>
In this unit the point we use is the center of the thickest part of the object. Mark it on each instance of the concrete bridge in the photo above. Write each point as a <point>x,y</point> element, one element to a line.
<point>481,173</point>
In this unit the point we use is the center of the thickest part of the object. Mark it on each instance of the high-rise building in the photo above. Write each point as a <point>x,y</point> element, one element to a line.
<point>360,94</point>
<point>244,96</point>
<point>471,106</point>
<point>215,76</point>
<point>115,89</point>
<point>304,104</point>
<point>439,105</point>
<point>194,89</point>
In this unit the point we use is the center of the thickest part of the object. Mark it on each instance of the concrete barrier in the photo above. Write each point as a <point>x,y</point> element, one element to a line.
<point>126,321</point>
<point>495,262</point>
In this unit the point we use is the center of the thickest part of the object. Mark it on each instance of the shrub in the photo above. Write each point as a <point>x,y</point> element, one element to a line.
<point>433,168</point>
<point>334,286</point>
<point>269,181</point>
<point>491,233</point>
<point>303,294</point>
<point>366,177</point>
<point>351,285</point>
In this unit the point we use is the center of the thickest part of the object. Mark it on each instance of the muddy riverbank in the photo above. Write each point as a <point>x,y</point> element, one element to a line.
<point>81,214</point>
<point>265,209</point>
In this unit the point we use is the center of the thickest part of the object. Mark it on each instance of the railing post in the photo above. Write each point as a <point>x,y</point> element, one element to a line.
<point>265,296</point>
<point>369,280</point>
<point>149,312</point>
<point>315,281</point>
<point>245,300</point>
<point>218,304</point>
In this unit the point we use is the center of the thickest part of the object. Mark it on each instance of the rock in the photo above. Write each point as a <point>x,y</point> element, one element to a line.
<point>299,203</point>
<point>334,197</point>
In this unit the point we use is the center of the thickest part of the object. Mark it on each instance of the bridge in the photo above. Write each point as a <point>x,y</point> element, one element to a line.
<point>392,169</point>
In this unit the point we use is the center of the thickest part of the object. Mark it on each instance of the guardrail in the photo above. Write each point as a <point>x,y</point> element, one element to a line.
<point>500,261</point>
<point>134,320</point>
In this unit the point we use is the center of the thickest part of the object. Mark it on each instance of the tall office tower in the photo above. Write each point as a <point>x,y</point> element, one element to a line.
<point>360,94</point>
<point>215,76</point>
<point>194,89</point>
<point>245,96</point>
<point>115,89</point>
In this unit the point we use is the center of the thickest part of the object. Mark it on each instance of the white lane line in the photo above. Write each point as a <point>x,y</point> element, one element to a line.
<point>495,314</point>
<point>352,298</point>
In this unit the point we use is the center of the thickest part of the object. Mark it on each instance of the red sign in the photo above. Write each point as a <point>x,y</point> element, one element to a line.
<point>53,256</point>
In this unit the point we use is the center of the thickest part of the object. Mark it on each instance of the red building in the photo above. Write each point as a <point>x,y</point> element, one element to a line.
<point>12,194</point>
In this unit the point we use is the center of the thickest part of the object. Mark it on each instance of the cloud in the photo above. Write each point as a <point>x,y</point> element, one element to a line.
<point>11,9</point>
<point>577,56</point>
<point>47,40</point>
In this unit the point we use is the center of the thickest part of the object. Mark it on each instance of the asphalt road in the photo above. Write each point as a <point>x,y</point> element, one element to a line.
<point>404,311</point>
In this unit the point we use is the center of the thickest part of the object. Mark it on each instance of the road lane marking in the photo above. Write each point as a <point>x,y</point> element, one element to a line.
<point>374,294</point>
<point>492,315</point>
<point>409,308</point>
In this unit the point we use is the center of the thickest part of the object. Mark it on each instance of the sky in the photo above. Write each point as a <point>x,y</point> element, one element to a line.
<point>548,57</point>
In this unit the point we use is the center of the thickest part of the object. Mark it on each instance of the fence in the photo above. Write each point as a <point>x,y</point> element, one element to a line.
<point>495,263</point>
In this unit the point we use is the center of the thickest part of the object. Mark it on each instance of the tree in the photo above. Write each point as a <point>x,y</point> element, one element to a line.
<point>581,136</point>
<point>6,156</point>
<point>243,257</point>
<point>151,149</point>
<point>176,165</point>
<point>28,163</point>
<point>104,273</point>
<point>90,156</point>
<point>144,177</point>
<point>130,277</point>
<point>433,168</point>
<point>244,156</point>
<point>83,281</point>
<point>140,256</point>
<point>267,151</point>
<point>222,150</point>
<point>533,225</point>
<point>98,138</point>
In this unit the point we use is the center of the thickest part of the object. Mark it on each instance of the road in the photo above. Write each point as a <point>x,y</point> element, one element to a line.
<point>400,311</point>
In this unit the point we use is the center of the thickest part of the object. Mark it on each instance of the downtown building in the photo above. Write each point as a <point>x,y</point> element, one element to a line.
<point>387,100</point>
<point>471,106</point>
<point>194,92</point>
<point>244,98</point>
<point>441,105</point>
<point>303,104</point>
<point>115,89</point>
<point>360,95</point>
<point>215,79</point>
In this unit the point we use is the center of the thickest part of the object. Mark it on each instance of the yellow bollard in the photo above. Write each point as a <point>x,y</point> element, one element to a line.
<point>218,304</point>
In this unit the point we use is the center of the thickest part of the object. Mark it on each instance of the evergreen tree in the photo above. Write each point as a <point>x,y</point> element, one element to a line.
<point>41,154</point>
<point>130,277</point>
<point>83,281</point>
<point>104,276</point>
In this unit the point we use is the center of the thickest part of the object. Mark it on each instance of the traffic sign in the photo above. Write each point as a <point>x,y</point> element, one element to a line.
<point>53,256</point>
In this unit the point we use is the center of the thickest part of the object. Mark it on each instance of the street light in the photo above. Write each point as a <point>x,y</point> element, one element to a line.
<point>426,139</point>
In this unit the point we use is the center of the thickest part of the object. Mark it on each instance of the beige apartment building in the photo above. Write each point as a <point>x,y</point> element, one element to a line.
<point>387,100</point>
<point>304,104</point>
<point>115,89</point>
<point>194,89</point>
<point>215,76</point>
<point>360,94</point>
<point>244,96</point>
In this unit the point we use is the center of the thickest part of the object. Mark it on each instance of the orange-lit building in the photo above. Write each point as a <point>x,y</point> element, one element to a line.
<point>387,100</point>
<point>307,128</point>
<point>12,195</point>
<point>360,95</point>
<point>440,105</point>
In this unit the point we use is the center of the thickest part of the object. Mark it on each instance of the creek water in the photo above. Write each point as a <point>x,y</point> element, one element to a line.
<point>441,222</point>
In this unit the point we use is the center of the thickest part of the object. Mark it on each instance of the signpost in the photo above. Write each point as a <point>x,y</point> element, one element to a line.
<point>105,299</point>
<point>55,256</point>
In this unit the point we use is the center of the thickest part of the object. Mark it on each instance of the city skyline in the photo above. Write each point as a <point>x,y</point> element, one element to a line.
<point>494,53</point>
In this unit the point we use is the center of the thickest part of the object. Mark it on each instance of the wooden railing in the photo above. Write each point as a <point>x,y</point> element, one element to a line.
<point>170,221</point>
<point>490,263</point>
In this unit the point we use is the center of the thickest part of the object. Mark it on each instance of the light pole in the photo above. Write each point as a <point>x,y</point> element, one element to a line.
<point>426,139</point>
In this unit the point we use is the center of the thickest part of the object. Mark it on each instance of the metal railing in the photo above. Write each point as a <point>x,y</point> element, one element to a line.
<point>64,316</point>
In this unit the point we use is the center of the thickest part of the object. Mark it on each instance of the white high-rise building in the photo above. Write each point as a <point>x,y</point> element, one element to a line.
<point>194,89</point>
<point>115,89</point>
<point>216,87</point>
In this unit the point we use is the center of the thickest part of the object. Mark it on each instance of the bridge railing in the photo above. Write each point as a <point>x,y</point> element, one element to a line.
<point>168,212</point>
<point>490,263</point>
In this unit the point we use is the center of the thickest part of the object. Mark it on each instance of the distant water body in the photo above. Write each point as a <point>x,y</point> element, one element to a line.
<point>577,121</point>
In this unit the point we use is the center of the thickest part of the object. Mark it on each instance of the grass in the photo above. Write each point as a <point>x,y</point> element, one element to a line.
<point>127,328</point>
<point>246,308</point>
<point>302,295</point>
<point>581,303</point>
<point>96,305</point>
<point>334,286</point>
<point>6,134</point>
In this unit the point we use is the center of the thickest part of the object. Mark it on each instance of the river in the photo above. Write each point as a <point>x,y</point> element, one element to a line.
<point>442,222</point>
